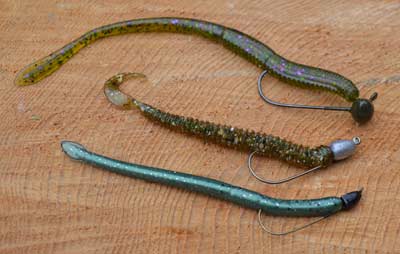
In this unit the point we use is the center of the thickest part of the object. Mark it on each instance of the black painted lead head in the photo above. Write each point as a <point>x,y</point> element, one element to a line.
<point>362,110</point>
<point>351,199</point>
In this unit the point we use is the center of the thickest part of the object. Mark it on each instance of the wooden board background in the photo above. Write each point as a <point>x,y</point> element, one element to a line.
<point>50,204</point>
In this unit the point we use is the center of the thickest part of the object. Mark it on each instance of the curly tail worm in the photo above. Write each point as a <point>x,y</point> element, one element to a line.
<point>260,143</point>
<point>243,44</point>
<point>295,208</point>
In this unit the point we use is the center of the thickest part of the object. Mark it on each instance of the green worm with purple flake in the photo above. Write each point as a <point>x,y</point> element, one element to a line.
<point>244,45</point>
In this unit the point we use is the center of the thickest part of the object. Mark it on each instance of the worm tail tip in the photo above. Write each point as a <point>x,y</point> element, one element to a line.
<point>73,149</point>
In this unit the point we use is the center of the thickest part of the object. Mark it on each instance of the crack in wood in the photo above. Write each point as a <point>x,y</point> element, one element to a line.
<point>384,80</point>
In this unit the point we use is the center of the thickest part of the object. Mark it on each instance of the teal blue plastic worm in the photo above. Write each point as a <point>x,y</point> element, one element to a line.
<point>243,197</point>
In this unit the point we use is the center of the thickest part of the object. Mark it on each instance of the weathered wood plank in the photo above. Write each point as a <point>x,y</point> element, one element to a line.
<point>50,204</point>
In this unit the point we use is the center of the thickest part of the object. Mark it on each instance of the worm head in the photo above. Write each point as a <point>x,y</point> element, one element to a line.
<point>362,110</point>
<point>342,149</point>
<point>351,199</point>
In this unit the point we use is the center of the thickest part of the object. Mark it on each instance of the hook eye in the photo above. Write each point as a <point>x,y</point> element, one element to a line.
<point>269,181</point>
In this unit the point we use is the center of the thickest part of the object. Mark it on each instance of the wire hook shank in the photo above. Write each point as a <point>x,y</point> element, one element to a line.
<point>288,105</point>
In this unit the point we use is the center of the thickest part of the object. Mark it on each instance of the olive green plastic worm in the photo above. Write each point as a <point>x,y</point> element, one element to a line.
<point>243,44</point>
<point>295,208</point>
<point>260,143</point>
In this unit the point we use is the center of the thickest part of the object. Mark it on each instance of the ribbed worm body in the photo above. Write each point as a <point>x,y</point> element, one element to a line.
<point>246,46</point>
<point>264,144</point>
<point>246,140</point>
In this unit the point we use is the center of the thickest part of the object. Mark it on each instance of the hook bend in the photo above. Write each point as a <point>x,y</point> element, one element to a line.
<point>268,230</point>
<point>269,181</point>
<point>288,105</point>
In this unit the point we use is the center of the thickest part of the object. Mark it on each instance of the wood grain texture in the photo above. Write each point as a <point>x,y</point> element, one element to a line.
<point>50,204</point>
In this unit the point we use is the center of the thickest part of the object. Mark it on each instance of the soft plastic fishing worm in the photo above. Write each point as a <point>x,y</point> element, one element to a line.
<point>246,46</point>
<point>243,197</point>
<point>260,143</point>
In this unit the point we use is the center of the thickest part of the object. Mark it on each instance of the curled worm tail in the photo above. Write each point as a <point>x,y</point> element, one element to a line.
<point>112,92</point>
